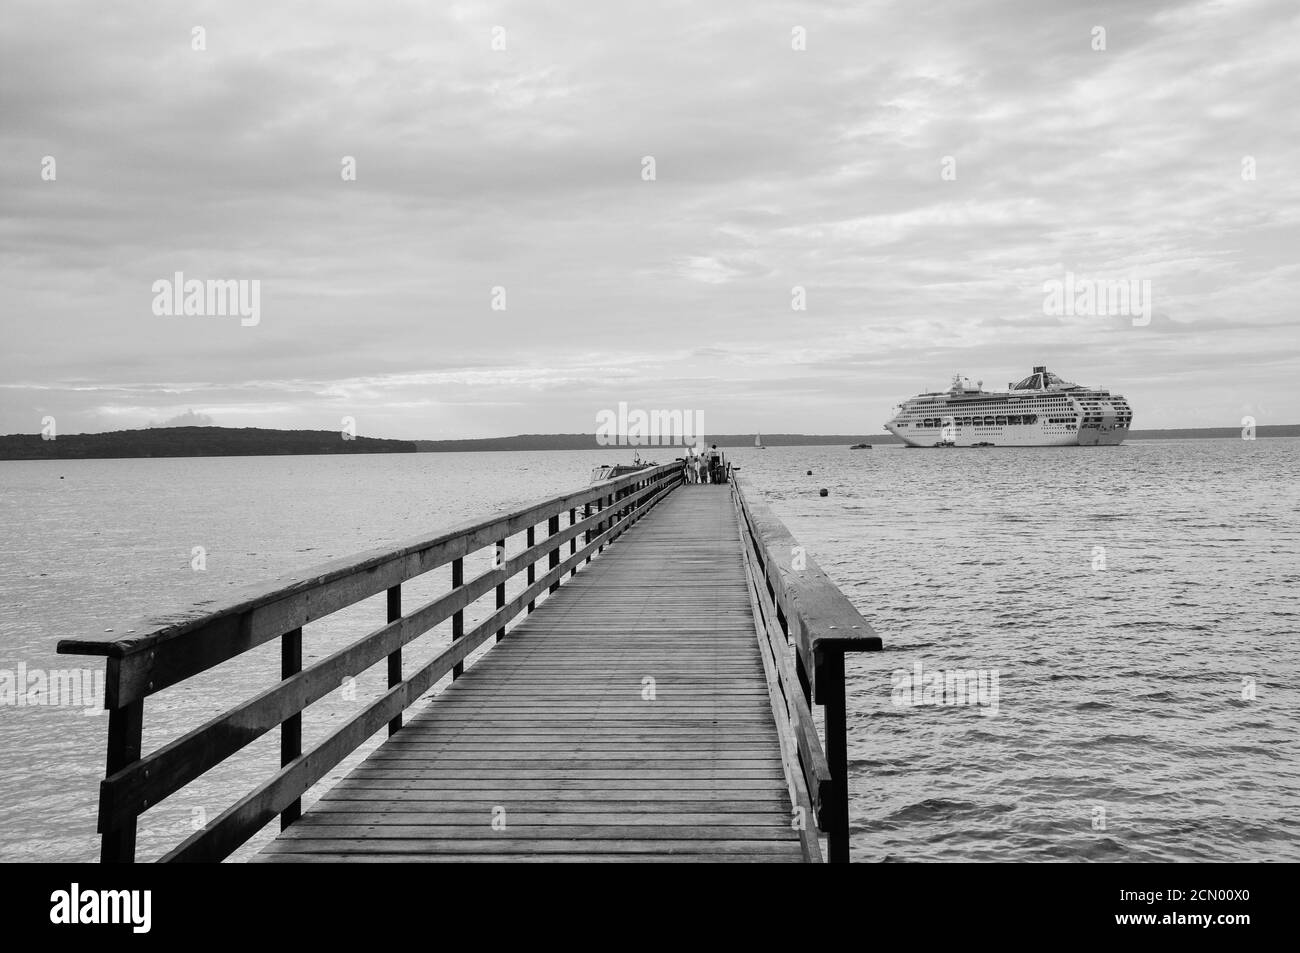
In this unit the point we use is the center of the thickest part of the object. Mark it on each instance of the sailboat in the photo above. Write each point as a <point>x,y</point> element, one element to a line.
<point>758,441</point>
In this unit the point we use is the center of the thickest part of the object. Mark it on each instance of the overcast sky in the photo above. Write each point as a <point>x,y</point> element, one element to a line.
<point>522,168</point>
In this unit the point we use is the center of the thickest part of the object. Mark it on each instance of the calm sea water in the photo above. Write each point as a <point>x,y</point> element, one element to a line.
<point>1125,729</point>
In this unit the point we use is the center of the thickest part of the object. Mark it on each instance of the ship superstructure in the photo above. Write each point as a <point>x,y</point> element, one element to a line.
<point>1040,411</point>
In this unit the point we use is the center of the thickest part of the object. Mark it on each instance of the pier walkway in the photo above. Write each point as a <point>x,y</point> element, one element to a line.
<point>652,702</point>
<point>627,718</point>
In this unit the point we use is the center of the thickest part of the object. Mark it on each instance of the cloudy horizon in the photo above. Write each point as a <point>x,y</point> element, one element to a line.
<point>914,173</point>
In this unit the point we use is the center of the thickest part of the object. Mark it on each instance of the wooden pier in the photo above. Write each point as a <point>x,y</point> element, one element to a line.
<point>653,703</point>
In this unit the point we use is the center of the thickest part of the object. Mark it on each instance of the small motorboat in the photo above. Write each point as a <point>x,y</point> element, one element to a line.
<point>860,446</point>
<point>608,471</point>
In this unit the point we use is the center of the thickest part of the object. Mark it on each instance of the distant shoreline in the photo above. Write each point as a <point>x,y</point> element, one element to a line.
<point>192,442</point>
<point>258,442</point>
<point>733,441</point>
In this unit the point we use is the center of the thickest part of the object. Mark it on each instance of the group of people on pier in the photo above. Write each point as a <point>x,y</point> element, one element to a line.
<point>705,466</point>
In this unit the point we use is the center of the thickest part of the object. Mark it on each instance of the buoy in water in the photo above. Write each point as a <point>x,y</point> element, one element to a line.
<point>810,473</point>
<point>824,492</point>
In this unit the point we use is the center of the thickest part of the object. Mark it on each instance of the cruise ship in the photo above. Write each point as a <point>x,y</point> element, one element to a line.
<point>1040,411</point>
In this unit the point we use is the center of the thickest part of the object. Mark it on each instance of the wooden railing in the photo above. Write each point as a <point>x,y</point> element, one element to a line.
<point>161,656</point>
<point>797,606</point>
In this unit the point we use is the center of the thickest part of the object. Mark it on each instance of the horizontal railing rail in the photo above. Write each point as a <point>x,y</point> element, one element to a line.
<point>158,654</point>
<point>798,607</point>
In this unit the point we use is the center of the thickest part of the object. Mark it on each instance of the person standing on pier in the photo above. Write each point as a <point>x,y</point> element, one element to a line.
<point>715,465</point>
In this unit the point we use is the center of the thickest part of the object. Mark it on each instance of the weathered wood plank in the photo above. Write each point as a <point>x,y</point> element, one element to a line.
<point>514,829</point>
<point>354,813</point>
<point>785,857</point>
<point>288,844</point>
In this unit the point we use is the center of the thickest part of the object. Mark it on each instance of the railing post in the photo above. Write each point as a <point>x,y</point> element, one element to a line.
<point>606,504</point>
<point>532,566</point>
<point>501,586</point>
<point>830,677</point>
<point>395,657</point>
<point>458,617</point>
<point>573,543</point>
<point>586,536</point>
<point>291,727</point>
<point>125,729</point>
<point>552,528</point>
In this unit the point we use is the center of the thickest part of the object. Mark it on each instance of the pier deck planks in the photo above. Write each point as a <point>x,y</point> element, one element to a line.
<point>550,726</point>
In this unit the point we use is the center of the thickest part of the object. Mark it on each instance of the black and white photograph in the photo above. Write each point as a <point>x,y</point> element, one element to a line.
<point>674,432</point>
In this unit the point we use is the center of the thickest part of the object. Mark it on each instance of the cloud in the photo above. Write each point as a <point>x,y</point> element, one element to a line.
<point>187,419</point>
<point>520,169</point>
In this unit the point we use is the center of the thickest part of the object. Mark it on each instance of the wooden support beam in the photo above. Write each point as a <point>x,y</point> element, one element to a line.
<point>291,727</point>
<point>501,586</point>
<point>573,543</point>
<point>125,730</point>
<point>458,619</point>
<point>553,529</point>
<point>532,567</point>
<point>837,758</point>
<point>395,657</point>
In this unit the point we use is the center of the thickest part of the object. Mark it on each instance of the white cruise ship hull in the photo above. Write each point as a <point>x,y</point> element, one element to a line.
<point>1019,436</point>
<point>1040,411</point>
